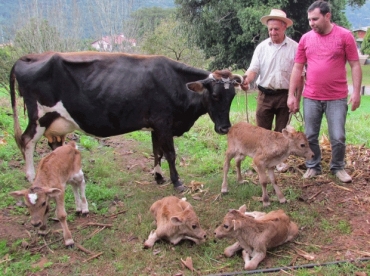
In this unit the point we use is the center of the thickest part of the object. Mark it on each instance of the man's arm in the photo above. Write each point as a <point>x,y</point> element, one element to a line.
<point>295,87</point>
<point>356,70</point>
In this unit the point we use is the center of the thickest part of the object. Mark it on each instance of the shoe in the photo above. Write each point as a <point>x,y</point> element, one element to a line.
<point>343,176</point>
<point>311,173</point>
<point>282,167</point>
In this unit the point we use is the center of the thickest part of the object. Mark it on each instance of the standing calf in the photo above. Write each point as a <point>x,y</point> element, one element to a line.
<point>61,166</point>
<point>255,233</point>
<point>267,148</point>
<point>176,220</point>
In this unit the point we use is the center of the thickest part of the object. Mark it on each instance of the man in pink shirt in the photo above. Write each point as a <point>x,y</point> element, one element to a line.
<point>326,49</point>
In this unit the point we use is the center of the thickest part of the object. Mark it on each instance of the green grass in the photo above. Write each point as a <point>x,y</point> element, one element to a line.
<point>118,182</point>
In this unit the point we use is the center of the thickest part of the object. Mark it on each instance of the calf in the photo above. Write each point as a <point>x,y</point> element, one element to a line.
<point>267,148</point>
<point>176,220</point>
<point>61,166</point>
<point>255,233</point>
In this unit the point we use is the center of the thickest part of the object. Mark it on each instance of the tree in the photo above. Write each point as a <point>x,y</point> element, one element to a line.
<point>365,45</point>
<point>229,30</point>
<point>169,39</point>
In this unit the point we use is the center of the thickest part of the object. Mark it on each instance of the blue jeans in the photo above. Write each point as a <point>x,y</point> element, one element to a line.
<point>336,113</point>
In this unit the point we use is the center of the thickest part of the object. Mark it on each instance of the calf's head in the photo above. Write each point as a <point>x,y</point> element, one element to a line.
<point>231,223</point>
<point>37,202</point>
<point>218,93</point>
<point>188,225</point>
<point>298,143</point>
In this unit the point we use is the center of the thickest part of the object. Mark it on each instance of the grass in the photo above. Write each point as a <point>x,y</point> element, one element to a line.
<point>114,187</point>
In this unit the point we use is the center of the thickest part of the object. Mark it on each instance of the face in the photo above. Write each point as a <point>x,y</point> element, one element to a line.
<point>276,29</point>
<point>319,23</point>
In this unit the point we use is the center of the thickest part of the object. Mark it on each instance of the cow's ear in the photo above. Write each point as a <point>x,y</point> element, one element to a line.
<point>243,209</point>
<point>176,220</point>
<point>53,192</point>
<point>17,194</point>
<point>287,132</point>
<point>195,86</point>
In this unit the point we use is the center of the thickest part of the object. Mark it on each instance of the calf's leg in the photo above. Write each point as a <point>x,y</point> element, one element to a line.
<point>78,186</point>
<point>276,187</point>
<point>62,217</point>
<point>151,239</point>
<point>232,249</point>
<point>228,158</point>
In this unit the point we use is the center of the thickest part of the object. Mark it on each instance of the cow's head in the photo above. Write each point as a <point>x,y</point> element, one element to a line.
<point>218,92</point>
<point>37,202</point>
<point>188,225</point>
<point>298,143</point>
<point>230,224</point>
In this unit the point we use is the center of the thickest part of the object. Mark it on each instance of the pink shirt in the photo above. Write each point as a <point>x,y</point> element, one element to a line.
<point>326,57</point>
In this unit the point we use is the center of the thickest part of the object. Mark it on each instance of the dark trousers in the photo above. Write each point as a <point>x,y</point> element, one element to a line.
<point>270,106</point>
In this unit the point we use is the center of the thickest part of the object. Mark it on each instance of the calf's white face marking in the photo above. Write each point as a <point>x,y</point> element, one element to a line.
<point>32,198</point>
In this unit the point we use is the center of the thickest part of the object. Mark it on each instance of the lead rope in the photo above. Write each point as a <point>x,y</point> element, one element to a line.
<point>298,116</point>
<point>246,105</point>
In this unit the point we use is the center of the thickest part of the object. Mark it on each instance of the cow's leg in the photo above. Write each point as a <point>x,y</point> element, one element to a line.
<point>158,154</point>
<point>232,249</point>
<point>78,186</point>
<point>62,217</point>
<point>30,142</point>
<point>165,141</point>
<point>228,157</point>
<point>261,170</point>
<point>151,239</point>
<point>276,187</point>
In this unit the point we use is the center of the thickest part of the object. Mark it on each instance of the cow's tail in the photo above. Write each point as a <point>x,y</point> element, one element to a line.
<point>17,128</point>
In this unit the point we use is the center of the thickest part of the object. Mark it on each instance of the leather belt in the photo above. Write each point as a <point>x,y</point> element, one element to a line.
<point>267,91</point>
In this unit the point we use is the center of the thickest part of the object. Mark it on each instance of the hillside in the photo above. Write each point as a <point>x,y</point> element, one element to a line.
<point>359,17</point>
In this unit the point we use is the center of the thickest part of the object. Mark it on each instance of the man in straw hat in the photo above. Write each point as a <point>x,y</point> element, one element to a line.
<point>272,62</point>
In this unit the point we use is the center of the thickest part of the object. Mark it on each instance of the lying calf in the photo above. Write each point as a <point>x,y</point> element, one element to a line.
<point>61,166</point>
<point>268,149</point>
<point>176,220</point>
<point>255,233</point>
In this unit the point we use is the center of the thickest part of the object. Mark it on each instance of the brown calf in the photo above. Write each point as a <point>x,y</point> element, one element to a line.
<point>255,233</point>
<point>267,148</point>
<point>176,220</point>
<point>61,166</point>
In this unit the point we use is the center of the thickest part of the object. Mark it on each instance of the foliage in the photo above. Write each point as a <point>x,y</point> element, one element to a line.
<point>229,30</point>
<point>365,45</point>
<point>169,39</point>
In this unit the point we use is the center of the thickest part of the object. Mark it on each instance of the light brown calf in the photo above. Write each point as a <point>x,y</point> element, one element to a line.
<point>255,233</point>
<point>267,148</point>
<point>176,220</point>
<point>61,166</point>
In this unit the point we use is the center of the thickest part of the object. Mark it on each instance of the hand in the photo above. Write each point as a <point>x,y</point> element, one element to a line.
<point>354,100</point>
<point>245,84</point>
<point>293,104</point>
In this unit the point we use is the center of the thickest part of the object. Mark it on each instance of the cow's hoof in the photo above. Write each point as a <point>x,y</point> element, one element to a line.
<point>180,189</point>
<point>70,246</point>
<point>159,179</point>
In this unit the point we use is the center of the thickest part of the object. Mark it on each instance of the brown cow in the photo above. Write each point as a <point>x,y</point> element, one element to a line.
<point>255,233</point>
<point>267,148</point>
<point>176,220</point>
<point>61,166</point>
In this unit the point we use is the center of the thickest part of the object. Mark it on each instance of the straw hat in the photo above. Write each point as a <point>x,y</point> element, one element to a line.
<point>276,14</point>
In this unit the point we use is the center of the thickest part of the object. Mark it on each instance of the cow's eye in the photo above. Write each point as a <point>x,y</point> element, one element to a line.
<point>194,226</point>
<point>215,97</point>
<point>226,226</point>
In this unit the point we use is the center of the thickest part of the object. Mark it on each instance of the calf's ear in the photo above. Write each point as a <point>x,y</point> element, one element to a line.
<point>53,192</point>
<point>236,224</point>
<point>17,194</point>
<point>176,220</point>
<point>243,208</point>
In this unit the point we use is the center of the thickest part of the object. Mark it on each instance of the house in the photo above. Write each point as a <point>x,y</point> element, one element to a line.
<point>359,35</point>
<point>114,43</point>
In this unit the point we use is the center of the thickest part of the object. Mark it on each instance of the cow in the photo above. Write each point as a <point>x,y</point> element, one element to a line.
<point>267,148</point>
<point>61,166</point>
<point>107,94</point>
<point>176,220</point>
<point>255,232</point>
